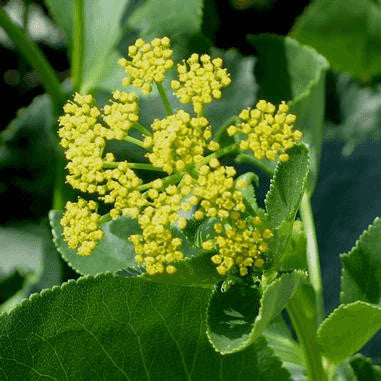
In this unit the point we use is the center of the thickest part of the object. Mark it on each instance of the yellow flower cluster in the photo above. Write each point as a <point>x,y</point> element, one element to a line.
<point>200,81</point>
<point>176,144</point>
<point>81,226</point>
<point>239,243</point>
<point>156,247</point>
<point>268,135</point>
<point>120,114</point>
<point>178,140</point>
<point>150,61</point>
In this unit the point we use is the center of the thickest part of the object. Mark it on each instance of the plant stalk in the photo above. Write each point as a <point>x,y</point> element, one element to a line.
<point>164,98</point>
<point>313,262</point>
<point>77,49</point>
<point>305,327</point>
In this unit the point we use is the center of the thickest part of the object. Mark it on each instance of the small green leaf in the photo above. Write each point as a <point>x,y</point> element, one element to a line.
<point>238,317</point>
<point>114,252</point>
<point>248,193</point>
<point>347,329</point>
<point>117,328</point>
<point>364,369</point>
<point>361,272</point>
<point>289,71</point>
<point>287,186</point>
<point>346,32</point>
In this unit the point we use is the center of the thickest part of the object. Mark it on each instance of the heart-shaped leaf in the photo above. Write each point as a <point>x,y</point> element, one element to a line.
<point>238,316</point>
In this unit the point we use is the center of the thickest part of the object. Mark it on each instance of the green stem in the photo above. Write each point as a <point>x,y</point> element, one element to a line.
<point>36,59</point>
<point>77,49</point>
<point>59,183</point>
<point>222,129</point>
<point>142,129</point>
<point>232,148</point>
<point>164,98</point>
<point>132,140</point>
<point>260,164</point>
<point>105,218</point>
<point>147,167</point>
<point>172,179</point>
<point>313,262</point>
<point>305,327</point>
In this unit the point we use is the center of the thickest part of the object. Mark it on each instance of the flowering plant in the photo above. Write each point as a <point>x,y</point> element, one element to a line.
<point>187,272</point>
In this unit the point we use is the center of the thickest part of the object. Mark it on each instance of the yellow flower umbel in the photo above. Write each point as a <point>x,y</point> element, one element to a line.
<point>178,141</point>
<point>268,135</point>
<point>178,145</point>
<point>156,247</point>
<point>200,81</point>
<point>239,243</point>
<point>150,61</point>
<point>80,224</point>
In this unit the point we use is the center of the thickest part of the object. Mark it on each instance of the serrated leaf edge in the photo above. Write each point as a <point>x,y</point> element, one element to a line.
<point>276,171</point>
<point>356,246</point>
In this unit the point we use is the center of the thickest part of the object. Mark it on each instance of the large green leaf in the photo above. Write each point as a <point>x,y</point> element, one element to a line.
<point>361,272</point>
<point>237,317</point>
<point>114,252</point>
<point>118,328</point>
<point>287,186</point>
<point>359,109</point>
<point>347,329</point>
<point>347,32</point>
<point>289,71</point>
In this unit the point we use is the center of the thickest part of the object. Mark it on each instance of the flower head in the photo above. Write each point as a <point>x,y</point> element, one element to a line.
<point>268,135</point>
<point>149,62</point>
<point>200,81</point>
<point>178,140</point>
<point>238,243</point>
<point>80,224</point>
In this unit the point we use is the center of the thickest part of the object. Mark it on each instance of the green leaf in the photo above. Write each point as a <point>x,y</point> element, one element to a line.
<point>289,71</point>
<point>238,316</point>
<point>364,369</point>
<point>27,162</point>
<point>118,328</point>
<point>361,272</point>
<point>287,186</point>
<point>347,329</point>
<point>294,255</point>
<point>359,109</point>
<point>175,19</point>
<point>241,93</point>
<point>248,193</point>
<point>279,338</point>
<point>102,32</point>
<point>114,252</point>
<point>347,32</point>
<point>27,264</point>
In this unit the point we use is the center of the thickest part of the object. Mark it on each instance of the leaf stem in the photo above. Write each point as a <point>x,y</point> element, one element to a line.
<point>142,129</point>
<point>77,49</point>
<point>135,141</point>
<point>164,98</point>
<point>145,166</point>
<point>313,262</point>
<point>36,59</point>
<point>305,327</point>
